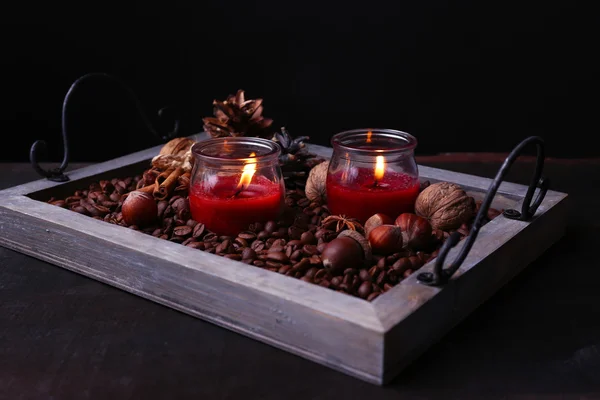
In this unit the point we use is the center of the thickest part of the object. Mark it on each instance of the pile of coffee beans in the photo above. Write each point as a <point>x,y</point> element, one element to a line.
<point>291,246</point>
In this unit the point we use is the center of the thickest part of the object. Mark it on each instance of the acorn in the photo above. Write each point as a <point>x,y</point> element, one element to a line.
<point>140,209</point>
<point>349,250</point>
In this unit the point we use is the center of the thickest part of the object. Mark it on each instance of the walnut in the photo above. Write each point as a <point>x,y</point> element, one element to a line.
<point>446,205</point>
<point>175,153</point>
<point>315,189</point>
<point>177,147</point>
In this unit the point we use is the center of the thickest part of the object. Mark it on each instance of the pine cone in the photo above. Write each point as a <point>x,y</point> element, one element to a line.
<point>237,116</point>
<point>295,160</point>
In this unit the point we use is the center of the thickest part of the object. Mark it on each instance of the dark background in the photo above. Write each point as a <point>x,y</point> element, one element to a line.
<point>461,76</point>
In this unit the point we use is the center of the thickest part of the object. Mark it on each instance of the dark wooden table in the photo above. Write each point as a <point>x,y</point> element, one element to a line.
<point>64,336</point>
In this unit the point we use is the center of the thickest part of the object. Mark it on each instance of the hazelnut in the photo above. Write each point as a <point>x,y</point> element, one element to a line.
<point>377,220</point>
<point>349,250</point>
<point>386,239</point>
<point>140,209</point>
<point>416,231</point>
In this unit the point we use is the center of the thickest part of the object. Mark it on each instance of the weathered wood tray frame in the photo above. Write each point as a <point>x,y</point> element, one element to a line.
<point>373,341</point>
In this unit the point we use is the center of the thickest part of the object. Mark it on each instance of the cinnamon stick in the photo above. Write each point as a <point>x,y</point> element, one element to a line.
<point>165,183</point>
<point>147,189</point>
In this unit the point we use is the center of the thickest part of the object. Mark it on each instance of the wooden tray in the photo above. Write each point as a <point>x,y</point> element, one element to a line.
<point>373,341</point>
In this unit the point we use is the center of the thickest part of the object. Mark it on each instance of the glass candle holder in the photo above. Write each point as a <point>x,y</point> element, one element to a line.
<point>235,182</point>
<point>372,171</point>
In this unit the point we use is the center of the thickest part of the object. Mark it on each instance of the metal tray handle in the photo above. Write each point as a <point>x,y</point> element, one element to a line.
<point>57,174</point>
<point>440,276</point>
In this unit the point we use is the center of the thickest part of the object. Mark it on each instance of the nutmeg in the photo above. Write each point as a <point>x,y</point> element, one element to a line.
<point>386,239</point>
<point>377,220</point>
<point>140,209</point>
<point>349,250</point>
<point>416,231</point>
<point>315,189</point>
<point>445,205</point>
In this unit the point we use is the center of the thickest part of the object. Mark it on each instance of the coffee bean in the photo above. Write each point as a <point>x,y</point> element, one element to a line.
<point>336,281</point>
<point>157,232</point>
<point>321,273</point>
<point>306,279</point>
<point>276,249</point>
<point>311,272</point>
<point>241,242</point>
<point>415,262</point>
<point>308,238</point>
<point>303,202</point>
<point>284,268</point>
<point>374,271</point>
<point>302,265</point>
<point>248,253</point>
<point>373,296</point>
<point>365,289</point>
<point>198,231</point>
<point>177,239</point>
<point>386,287</point>
<point>278,256</point>
<point>196,245</point>
<point>257,245</point>
<point>296,255</point>
<point>309,250</point>
<point>407,273</point>
<point>236,257</point>
<point>364,275</point>
<point>402,264</point>
<point>381,263</point>
<point>273,264</point>
<point>294,233</point>
<point>380,278</point>
<point>188,240</point>
<point>270,227</point>
<point>279,243</point>
<point>210,237</point>
<point>315,260</point>
<point>295,243</point>
<point>321,247</point>
<point>249,236</point>
<point>258,263</point>
<point>182,230</point>
<point>256,227</point>
<point>325,283</point>
<point>263,235</point>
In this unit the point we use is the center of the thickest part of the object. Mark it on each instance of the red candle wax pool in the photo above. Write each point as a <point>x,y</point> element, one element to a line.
<point>359,197</point>
<point>225,213</point>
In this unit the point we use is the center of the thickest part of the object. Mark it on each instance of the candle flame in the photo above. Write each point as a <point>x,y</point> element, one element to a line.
<point>379,168</point>
<point>247,173</point>
<point>369,134</point>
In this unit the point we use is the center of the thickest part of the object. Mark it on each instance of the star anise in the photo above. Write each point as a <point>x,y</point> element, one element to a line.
<point>340,223</point>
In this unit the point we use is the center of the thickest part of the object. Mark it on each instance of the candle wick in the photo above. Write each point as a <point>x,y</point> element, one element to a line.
<point>376,183</point>
<point>239,191</point>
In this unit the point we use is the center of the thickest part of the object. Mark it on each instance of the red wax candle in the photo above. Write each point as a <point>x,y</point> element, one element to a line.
<point>360,197</point>
<point>225,213</point>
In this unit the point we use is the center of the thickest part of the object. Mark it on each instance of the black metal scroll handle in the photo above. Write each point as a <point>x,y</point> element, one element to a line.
<point>57,174</point>
<point>440,276</point>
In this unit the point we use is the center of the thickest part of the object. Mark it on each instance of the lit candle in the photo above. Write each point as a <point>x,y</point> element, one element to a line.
<point>227,203</point>
<point>372,173</point>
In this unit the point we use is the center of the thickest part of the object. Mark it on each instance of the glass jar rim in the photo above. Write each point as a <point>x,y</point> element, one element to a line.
<point>410,142</point>
<point>273,148</point>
